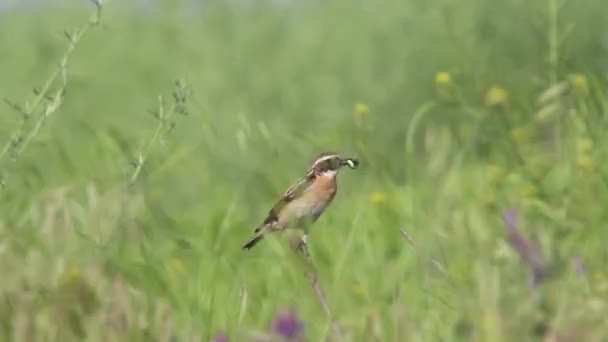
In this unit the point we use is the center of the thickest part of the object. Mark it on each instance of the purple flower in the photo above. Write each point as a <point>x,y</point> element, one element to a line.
<point>516,239</point>
<point>510,217</point>
<point>220,338</point>
<point>288,325</point>
<point>529,251</point>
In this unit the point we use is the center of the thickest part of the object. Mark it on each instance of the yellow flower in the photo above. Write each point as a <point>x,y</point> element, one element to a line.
<point>579,83</point>
<point>361,112</point>
<point>443,79</point>
<point>377,197</point>
<point>359,292</point>
<point>443,85</point>
<point>520,135</point>
<point>72,274</point>
<point>496,96</point>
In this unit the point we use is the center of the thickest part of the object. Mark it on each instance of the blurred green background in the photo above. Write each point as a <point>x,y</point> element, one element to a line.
<point>117,225</point>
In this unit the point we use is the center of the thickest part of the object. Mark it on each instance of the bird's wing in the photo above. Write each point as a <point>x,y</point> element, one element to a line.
<point>292,192</point>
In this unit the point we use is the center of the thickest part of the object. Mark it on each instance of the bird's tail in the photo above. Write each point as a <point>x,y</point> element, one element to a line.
<point>259,235</point>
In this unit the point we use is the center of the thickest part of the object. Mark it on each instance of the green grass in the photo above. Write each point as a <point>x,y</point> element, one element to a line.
<point>117,225</point>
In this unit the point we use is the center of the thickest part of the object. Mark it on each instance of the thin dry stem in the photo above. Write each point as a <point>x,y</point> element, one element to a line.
<point>436,264</point>
<point>312,276</point>
<point>165,124</point>
<point>45,97</point>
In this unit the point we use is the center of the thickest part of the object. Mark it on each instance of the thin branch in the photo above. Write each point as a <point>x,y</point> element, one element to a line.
<point>49,100</point>
<point>436,264</point>
<point>180,96</point>
<point>301,247</point>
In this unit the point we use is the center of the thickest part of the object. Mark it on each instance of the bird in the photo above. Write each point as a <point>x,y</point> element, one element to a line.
<point>304,202</point>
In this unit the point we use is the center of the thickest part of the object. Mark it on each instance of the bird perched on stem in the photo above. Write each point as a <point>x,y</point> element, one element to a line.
<point>305,201</point>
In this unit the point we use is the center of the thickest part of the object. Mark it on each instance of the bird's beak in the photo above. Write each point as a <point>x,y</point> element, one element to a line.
<point>351,162</point>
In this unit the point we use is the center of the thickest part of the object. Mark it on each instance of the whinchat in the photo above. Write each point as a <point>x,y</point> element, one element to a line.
<point>303,202</point>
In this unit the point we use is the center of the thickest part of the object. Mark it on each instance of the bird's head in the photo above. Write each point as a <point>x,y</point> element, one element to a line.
<point>331,163</point>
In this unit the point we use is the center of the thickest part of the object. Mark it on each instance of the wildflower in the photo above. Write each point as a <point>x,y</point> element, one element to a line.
<point>361,112</point>
<point>288,325</point>
<point>528,251</point>
<point>72,274</point>
<point>377,197</point>
<point>579,83</point>
<point>359,291</point>
<point>443,79</point>
<point>496,96</point>
<point>443,84</point>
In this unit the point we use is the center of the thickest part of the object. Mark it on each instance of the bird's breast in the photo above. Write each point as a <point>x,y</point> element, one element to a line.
<point>311,204</point>
<point>324,187</point>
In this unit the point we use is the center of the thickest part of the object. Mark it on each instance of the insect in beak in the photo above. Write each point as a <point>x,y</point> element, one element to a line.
<point>351,162</point>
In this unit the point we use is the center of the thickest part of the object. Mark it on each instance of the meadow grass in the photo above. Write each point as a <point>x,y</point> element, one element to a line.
<point>478,212</point>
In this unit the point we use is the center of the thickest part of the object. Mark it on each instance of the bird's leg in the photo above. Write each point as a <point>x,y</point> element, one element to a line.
<point>303,246</point>
<point>298,242</point>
